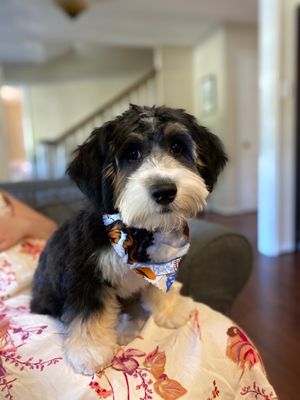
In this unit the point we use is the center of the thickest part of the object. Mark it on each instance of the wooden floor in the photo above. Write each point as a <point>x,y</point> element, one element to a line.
<point>269,309</point>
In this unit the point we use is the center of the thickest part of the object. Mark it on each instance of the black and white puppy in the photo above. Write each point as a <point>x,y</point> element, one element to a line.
<point>80,279</point>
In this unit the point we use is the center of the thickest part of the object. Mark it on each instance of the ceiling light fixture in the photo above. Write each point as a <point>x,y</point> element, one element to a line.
<point>73,7</point>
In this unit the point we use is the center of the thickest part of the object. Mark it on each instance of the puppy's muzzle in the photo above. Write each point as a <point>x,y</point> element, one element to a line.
<point>163,193</point>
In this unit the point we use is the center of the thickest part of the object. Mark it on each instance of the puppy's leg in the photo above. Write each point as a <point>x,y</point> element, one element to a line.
<point>170,310</point>
<point>90,342</point>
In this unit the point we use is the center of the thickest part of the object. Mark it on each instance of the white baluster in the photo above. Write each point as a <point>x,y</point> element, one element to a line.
<point>60,165</point>
<point>42,162</point>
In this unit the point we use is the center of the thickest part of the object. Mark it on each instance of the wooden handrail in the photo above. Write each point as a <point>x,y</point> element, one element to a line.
<point>106,106</point>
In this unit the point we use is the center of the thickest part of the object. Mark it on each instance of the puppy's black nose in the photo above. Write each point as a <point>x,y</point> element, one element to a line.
<point>163,193</point>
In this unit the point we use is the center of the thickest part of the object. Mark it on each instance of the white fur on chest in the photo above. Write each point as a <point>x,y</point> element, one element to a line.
<point>119,275</point>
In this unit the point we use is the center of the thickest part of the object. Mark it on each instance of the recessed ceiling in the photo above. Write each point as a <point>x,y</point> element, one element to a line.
<point>37,30</point>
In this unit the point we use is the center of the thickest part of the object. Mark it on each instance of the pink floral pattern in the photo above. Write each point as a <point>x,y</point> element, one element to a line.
<point>12,339</point>
<point>147,369</point>
<point>101,392</point>
<point>7,277</point>
<point>241,350</point>
<point>215,393</point>
<point>197,323</point>
<point>33,247</point>
<point>176,360</point>
<point>257,393</point>
<point>125,361</point>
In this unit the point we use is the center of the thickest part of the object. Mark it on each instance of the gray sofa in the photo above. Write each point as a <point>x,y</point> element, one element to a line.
<point>215,269</point>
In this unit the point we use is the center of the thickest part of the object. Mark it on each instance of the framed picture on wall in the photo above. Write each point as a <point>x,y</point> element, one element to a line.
<point>208,95</point>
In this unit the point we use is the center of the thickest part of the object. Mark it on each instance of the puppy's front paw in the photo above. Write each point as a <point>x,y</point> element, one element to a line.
<point>87,360</point>
<point>176,314</point>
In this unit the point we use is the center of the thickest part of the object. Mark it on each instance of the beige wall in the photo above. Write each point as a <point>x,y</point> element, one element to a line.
<point>55,107</point>
<point>61,93</point>
<point>223,53</point>
<point>175,76</point>
<point>242,115</point>
<point>218,55</point>
<point>210,59</point>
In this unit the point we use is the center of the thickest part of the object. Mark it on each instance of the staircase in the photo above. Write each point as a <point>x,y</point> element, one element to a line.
<point>53,155</point>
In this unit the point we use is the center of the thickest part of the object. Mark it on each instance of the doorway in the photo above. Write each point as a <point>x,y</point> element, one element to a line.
<point>19,165</point>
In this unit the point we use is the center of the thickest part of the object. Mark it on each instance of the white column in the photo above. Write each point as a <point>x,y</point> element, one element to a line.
<point>276,196</point>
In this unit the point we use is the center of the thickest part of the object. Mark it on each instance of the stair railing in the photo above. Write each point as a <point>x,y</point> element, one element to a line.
<point>54,154</point>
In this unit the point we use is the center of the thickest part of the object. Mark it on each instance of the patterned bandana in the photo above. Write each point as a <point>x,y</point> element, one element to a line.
<point>153,255</point>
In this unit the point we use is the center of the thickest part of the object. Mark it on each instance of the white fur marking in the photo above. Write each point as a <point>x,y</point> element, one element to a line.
<point>89,344</point>
<point>140,210</point>
<point>170,310</point>
<point>115,271</point>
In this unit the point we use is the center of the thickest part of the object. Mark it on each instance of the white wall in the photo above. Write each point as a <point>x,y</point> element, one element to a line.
<point>222,54</point>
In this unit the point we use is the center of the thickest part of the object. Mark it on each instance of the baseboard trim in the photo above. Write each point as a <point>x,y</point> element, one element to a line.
<point>230,210</point>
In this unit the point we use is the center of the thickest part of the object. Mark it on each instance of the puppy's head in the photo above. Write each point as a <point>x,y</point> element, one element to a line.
<point>155,165</point>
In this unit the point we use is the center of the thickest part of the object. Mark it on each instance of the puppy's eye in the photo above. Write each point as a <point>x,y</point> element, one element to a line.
<point>176,148</point>
<point>133,155</point>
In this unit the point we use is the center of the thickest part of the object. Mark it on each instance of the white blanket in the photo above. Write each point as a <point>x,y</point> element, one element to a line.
<point>208,358</point>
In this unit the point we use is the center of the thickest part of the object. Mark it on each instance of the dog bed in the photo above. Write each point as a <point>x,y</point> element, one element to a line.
<point>208,358</point>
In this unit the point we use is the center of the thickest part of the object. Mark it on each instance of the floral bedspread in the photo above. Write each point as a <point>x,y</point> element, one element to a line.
<point>208,358</point>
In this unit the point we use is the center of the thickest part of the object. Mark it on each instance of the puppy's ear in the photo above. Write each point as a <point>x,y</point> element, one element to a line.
<point>87,168</point>
<point>212,156</point>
